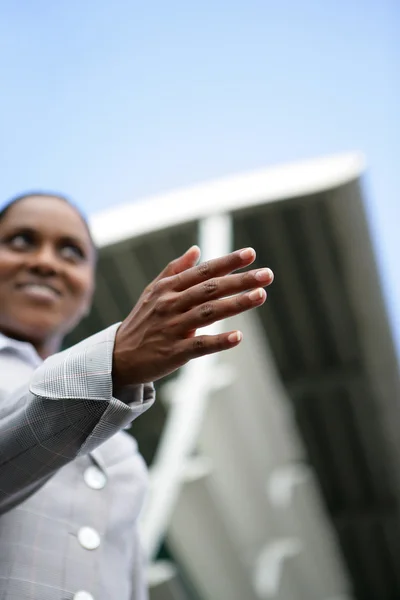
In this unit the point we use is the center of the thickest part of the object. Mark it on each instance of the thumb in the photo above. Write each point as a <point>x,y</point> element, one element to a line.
<point>188,260</point>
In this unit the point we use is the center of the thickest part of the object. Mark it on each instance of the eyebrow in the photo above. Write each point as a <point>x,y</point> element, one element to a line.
<point>72,239</point>
<point>69,238</point>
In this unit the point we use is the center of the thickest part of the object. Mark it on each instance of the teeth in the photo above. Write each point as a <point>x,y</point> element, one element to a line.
<point>38,286</point>
<point>40,289</point>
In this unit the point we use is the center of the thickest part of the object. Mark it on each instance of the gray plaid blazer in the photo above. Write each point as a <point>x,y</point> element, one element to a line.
<point>72,483</point>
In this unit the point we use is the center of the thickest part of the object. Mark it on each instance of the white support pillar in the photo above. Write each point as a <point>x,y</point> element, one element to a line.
<point>186,413</point>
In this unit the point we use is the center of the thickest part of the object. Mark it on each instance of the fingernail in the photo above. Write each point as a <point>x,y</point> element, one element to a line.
<point>256,294</point>
<point>264,275</point>
<point>247,253</point>
<point>235,337</point>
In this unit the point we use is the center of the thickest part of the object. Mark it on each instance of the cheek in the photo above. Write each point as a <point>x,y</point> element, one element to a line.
<point>81,284</point>
<point>9,264</point>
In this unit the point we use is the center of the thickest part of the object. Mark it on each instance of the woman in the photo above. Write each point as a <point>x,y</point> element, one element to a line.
<point>71,481</point>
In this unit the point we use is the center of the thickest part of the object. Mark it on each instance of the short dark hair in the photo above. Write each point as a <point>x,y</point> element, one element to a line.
<point>42,194</point>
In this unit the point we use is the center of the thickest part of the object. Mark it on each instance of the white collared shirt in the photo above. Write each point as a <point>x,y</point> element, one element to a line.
<point>17,362</point>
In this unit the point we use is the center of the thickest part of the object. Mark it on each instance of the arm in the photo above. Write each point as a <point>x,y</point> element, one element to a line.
<point>67,410</point>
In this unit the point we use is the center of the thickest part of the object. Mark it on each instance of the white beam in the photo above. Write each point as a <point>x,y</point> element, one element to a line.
<point>225,196</point>
<point>297,503</point>
<point>203,545</point>
<point>164,583</point>
<point>186,414</point>
<point>247,433</point>
<point>270,563</point>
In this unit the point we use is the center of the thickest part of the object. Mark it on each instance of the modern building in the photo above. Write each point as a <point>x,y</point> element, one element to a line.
<point>275,467</point>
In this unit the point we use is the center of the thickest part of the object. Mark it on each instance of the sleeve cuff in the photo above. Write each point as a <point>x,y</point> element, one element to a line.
<point>84,372</point>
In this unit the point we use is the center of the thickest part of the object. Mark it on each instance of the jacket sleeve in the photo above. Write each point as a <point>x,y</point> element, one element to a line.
<point>67,410</point>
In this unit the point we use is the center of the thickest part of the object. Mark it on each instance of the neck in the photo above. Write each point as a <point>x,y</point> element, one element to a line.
<point>48,347</point>
<point>44,347</point>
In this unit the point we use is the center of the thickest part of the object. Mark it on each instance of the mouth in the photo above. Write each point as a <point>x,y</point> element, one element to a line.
<point>39,291</point>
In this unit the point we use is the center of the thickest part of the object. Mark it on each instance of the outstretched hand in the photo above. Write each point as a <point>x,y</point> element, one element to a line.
<point>159,335</point>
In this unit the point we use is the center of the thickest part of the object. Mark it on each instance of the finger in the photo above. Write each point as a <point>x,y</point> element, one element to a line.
<point>216,267</point>
<point>210,312</point>
<point>209,344</point>
<point>188,260</point>
<point>220,287</point>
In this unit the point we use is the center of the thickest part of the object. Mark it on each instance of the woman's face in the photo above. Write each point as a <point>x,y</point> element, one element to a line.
<point>46,269</point>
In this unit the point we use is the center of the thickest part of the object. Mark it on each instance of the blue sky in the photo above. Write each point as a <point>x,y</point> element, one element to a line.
<point>112,101</point>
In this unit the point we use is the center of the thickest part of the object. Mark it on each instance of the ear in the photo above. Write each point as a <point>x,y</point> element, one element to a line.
<point>87,307</point>
<point>87,310</point>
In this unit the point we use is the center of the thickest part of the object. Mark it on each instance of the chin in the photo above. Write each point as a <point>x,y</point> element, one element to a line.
<point>36,332</point>
<point>35,326</point>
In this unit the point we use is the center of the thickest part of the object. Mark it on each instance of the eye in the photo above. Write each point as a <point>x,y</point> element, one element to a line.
<point>72,252</point>
<point>21,241</point>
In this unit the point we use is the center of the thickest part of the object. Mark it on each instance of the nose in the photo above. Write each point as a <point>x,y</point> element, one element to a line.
<point>44,261</point>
